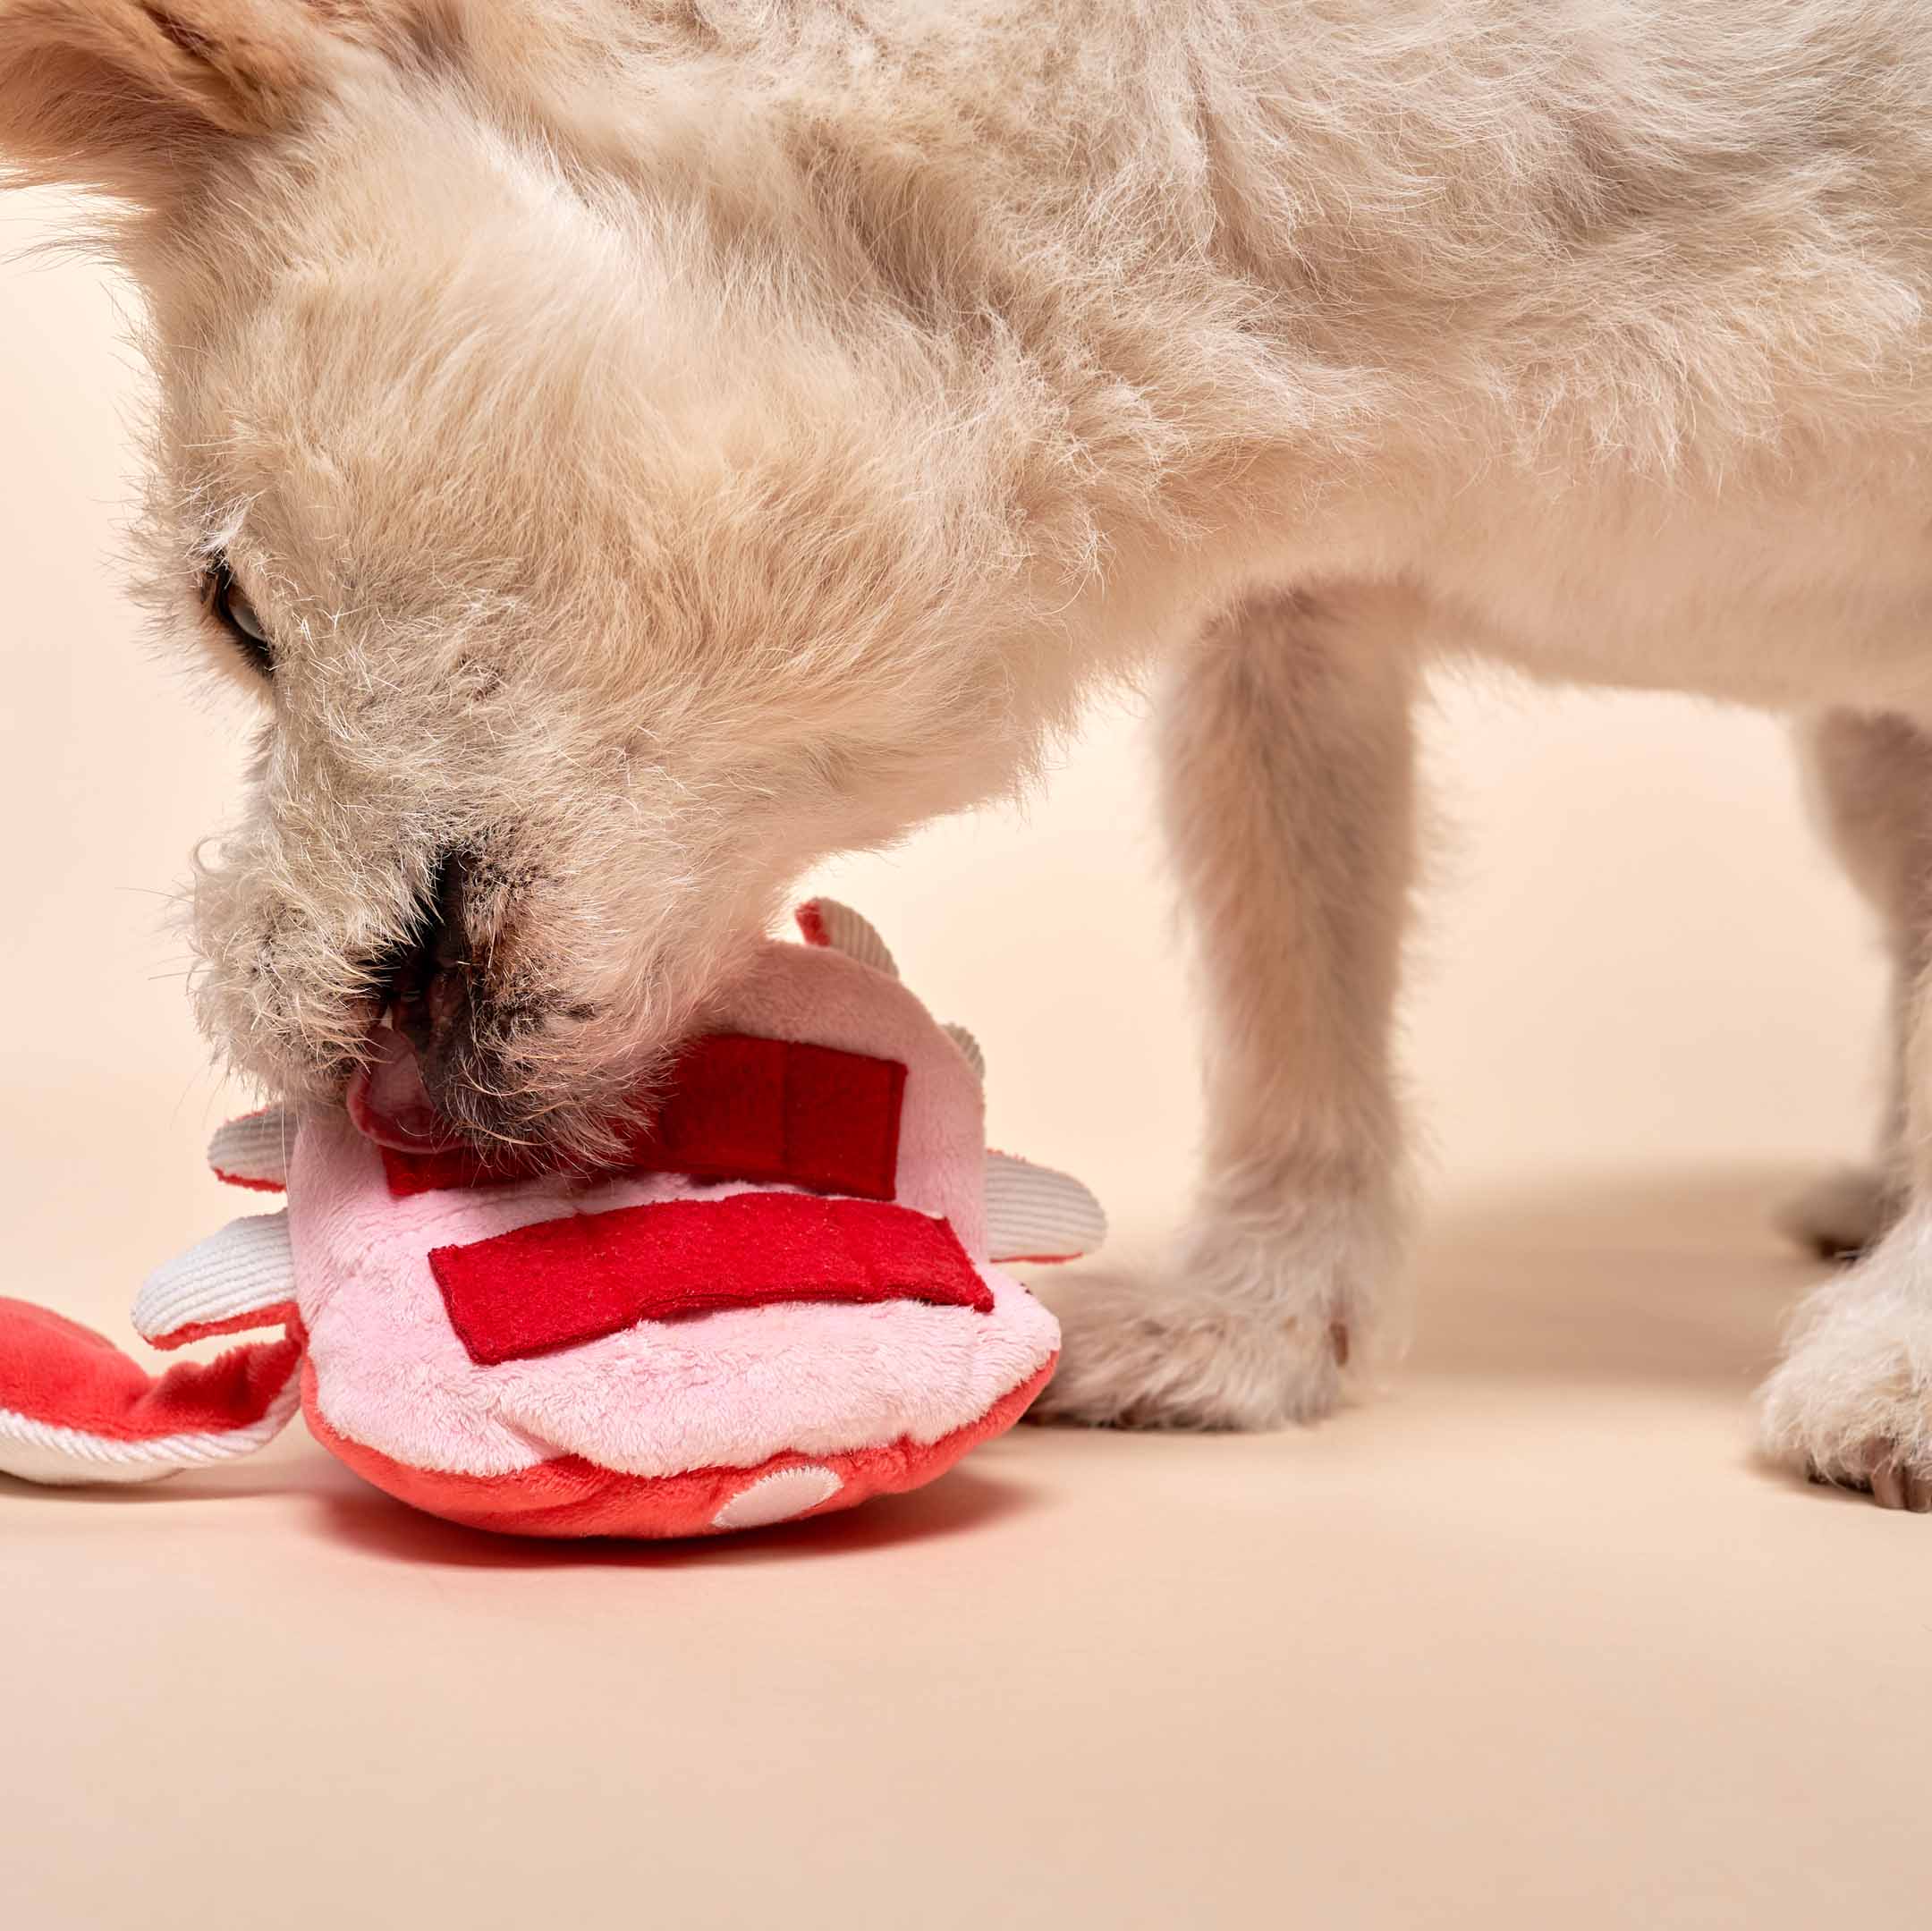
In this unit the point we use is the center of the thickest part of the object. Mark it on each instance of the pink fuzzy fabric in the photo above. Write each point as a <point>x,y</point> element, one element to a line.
<point>742,1389</point>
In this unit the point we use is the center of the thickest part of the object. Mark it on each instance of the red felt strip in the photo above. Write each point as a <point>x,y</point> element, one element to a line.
<point>772,1112</point>
<point>556,1282</point>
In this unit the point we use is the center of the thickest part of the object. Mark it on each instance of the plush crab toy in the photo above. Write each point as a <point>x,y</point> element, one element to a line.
<point>784,1300</point>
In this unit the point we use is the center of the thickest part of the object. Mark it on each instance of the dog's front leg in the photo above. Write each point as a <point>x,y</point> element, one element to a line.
<point>1869,781</point>
<point>1288,781</point>
<point>1851,1402</point>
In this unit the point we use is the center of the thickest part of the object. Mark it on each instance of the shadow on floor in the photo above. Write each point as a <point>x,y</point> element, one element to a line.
<point>377,1525</point>
<point>1676,1279</point>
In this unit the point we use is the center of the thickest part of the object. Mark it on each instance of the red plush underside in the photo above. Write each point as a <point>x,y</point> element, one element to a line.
<point>571,1496</point>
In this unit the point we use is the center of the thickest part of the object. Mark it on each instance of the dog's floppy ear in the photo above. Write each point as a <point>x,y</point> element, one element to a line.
<point>130,96</point>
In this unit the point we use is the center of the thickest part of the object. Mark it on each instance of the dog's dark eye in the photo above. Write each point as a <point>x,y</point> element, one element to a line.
<point>228,604</point>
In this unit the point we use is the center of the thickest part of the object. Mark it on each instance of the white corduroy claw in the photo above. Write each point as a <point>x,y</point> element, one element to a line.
<point>828,923</point>
<point>1036,1213</point>
<point>253,1151</point>
<point>245,1270</point>
<point>970,1048</point>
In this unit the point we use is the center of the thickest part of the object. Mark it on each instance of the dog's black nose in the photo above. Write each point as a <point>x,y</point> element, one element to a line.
<point>431,994</point>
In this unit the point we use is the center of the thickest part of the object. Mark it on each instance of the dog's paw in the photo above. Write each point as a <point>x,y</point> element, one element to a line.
<point>1843,1215</point>
<point>1179,1365</point>
<point>1852,1404</point>
<point>1253,1329</point>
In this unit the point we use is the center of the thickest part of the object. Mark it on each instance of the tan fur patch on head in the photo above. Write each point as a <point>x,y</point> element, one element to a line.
<point>119,94</point>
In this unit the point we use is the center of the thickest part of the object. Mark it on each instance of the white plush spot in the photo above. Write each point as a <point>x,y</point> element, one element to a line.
<point>778,1497</point>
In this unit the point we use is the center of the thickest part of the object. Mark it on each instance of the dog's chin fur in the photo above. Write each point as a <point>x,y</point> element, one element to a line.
<point>668,444</point>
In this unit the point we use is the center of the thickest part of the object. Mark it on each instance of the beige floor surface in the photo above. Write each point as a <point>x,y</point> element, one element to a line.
<point>1528,1641</point>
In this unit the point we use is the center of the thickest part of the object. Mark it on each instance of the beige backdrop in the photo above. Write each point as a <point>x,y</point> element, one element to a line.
<point>1529,1641</point>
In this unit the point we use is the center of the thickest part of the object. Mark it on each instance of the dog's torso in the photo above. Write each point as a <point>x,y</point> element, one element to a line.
<point>1602,327</point>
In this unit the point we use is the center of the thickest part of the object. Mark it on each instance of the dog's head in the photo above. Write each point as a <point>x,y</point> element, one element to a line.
<point>603,539</point>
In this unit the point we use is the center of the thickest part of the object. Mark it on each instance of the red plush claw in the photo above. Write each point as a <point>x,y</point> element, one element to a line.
<point>73,1409</point>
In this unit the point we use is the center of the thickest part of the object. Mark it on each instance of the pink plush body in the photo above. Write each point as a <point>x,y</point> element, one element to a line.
<point>642,1429</point>
<point>717,1335</point>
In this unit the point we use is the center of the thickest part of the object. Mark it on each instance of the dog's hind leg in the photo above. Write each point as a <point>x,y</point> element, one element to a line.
<point>1852,1400</point>
<point>1288,776</point>
<point>1870,782</point>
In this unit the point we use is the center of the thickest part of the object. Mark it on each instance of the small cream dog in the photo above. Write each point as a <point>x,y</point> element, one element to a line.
<point>639,446</point>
